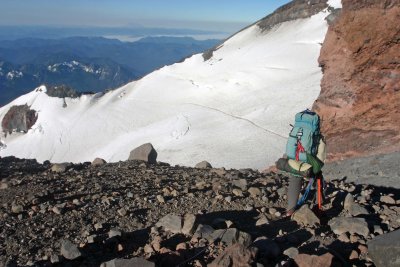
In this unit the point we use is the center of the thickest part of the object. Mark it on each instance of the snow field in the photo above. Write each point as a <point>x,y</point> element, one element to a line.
<point>233,110</point>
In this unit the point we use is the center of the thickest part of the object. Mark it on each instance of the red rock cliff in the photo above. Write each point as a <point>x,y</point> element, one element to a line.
<point>360,90</point>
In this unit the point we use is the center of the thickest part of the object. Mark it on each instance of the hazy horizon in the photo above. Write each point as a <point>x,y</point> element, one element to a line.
<point>206,15</point>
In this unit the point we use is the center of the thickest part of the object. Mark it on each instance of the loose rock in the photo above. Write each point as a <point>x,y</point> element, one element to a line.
<point>189,224</point>
<point>235,255</point>
<point>60,167</point>
<point>340,225</point>
<point>385,249</point>
<point>353,208</point>
<point>98,162</point>
<point>134,262</point>
<point>203,165</point>
<point>305,216</point>
<point>387,199</point>
<point>145,152</point>
<point>171,222</point>
<point>254,192</point>
<point>304,260</point>
<point>69,250</point>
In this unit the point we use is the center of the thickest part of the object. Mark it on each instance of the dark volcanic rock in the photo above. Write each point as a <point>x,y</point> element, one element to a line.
<point>145,152</point>
<point>297,9</point>
<point>61,91</point>
<point>385,249</point>
<point>269,248</point>
<point>19,118</point>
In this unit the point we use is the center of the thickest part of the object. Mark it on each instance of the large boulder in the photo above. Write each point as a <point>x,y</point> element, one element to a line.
<point>145,152</point>
<point>385,249</point>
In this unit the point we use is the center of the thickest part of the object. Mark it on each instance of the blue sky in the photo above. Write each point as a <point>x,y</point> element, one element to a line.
<point>221,15</point>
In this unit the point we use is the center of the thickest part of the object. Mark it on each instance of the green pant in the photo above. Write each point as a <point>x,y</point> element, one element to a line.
<point>293,191</point>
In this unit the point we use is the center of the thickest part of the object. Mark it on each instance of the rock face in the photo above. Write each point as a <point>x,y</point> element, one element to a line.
<point>360,91</point>
<point>385,249</point>
<point>19,118</point>
<point>144,152</point>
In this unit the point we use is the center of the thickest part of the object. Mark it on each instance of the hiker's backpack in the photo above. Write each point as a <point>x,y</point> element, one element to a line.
<point>304,136</point>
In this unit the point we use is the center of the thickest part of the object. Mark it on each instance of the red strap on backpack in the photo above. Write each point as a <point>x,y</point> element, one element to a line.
<point>299,149</point>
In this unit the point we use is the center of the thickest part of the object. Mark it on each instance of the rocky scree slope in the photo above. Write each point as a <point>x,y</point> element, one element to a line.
<point>141,214</point>
<point>360,90</point>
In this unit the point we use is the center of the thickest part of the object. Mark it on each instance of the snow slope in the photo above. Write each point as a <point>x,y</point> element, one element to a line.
<point>233,110</point>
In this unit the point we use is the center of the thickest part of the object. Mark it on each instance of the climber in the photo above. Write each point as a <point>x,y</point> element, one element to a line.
<point>305,151</point>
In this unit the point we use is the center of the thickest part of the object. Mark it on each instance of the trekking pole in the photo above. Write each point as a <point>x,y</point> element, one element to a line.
<point>319,189</point>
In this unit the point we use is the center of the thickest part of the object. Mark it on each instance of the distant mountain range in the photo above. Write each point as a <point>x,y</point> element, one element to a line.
<point>134,31</point>
<point>86,63</point>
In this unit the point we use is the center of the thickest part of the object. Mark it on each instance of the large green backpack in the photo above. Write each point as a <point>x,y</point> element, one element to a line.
<point>304,137</point>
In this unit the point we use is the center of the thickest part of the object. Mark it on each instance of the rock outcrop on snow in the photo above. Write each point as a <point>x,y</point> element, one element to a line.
<point>18,119</point>
<point>360,98</point>
<point>297,9</point>
<point>61,91</point>
<point>111,215</point>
